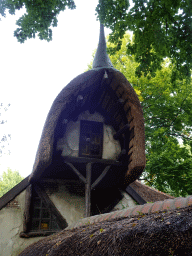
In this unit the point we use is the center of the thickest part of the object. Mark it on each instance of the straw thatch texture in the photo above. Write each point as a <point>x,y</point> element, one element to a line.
<point>149,194</point>
<point>136,121</point>
<point>166,233</point>
<point>102,95</point>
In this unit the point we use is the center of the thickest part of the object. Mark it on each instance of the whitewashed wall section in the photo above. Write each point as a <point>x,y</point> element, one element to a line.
<point>69,144</point>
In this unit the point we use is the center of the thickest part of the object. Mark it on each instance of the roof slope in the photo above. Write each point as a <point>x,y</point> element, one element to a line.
<point>149,194</point>
<point>12,193</point>
<point>160,233</point>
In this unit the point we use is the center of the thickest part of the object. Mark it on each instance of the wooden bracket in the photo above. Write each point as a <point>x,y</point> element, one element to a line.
<point>87,181</point>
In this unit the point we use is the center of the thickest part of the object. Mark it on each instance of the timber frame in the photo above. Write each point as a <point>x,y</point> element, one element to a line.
<point>87,180</point>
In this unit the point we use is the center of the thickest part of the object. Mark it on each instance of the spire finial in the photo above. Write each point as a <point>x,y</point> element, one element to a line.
<point>101,59</point>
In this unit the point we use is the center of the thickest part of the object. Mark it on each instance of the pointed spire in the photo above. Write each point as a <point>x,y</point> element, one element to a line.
<point>101,59</point>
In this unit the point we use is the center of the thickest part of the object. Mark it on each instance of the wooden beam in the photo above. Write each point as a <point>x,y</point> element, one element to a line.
<point>36,234</point>
<point>88,191</point>
<point>132,135</point>
<point>27,215</point>
<point>135,195</point>
<point>70,159</point>
<point>81,177</point>
<point>96,182</point>
<point>11,194</point>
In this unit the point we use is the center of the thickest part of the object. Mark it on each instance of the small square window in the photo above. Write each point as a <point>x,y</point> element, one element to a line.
<point>91,139</point>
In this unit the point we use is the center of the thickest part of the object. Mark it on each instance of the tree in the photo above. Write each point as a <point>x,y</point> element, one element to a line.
<point>8,180</point>
<point>167,111</point>
<point>40,16</point>
<point>4,138</point>
<point>162,28</point>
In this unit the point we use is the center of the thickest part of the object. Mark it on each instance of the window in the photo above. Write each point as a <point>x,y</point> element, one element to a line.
<point>91,139</point>
<point>42,218</point>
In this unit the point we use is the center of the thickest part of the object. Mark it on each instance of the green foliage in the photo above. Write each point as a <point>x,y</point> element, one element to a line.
<point>162,28</point>
<point>167,108</point>
<point>8,180</point>
<point>40,16</point>
<point>4,137</point>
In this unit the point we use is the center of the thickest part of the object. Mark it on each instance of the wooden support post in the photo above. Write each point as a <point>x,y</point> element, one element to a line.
<point>88,191</point>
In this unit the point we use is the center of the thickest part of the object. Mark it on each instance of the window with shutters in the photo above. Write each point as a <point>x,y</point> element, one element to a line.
<point>91,139</point>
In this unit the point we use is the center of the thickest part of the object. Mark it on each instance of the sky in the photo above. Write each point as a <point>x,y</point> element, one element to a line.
<point>32,75</point>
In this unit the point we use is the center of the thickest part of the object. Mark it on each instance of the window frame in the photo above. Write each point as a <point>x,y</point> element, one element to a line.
<point>91,138</point>
<point>28,231</point>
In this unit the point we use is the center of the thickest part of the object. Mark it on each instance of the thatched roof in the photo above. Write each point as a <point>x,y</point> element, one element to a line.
<point>168,232</point>
<point>149,194</point>
<point>117,101</point>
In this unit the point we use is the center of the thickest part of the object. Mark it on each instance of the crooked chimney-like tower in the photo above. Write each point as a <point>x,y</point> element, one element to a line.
<point>94,132</point>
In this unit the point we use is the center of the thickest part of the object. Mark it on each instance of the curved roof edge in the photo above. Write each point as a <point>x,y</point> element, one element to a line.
<point>87,82</point>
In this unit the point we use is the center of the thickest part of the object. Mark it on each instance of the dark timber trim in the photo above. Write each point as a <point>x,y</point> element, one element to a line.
<point>135,195</point>
<point>100,177</point>
<point>68,159</point>
<point>11,194</point>
<point>87,180</point>
<point>36,234</point>
<point>88,191</point>
<point>121,131</point>
<point>81,177</point>
<point>27,211</point>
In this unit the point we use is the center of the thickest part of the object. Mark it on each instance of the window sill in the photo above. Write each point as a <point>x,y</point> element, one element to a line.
<point>37,233</point>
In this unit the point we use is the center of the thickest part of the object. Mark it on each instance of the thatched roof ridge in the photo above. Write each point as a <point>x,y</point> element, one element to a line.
<point>165,233</point>
<point>159,206</point>
<point>87,84</point>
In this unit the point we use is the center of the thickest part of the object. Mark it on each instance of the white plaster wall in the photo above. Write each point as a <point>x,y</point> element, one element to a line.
<point>125,202</point>
<point>11,224</point>
<point>71,206</point>
<point>69,144</point>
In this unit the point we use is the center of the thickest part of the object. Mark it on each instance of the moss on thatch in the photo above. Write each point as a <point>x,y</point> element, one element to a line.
<point>166,233</point>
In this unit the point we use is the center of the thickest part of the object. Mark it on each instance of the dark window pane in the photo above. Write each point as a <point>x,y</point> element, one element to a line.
<point>43,205</point>
<point>91,139</point>
<point>35,225</point>
<point>95,149</point>
<point>45,213</point>
<point>36,213</point>
<point>37,202</point>
<point>54,225</point>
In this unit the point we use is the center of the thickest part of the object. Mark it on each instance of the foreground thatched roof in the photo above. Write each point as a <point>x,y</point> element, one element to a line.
<point>160,233</point>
